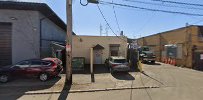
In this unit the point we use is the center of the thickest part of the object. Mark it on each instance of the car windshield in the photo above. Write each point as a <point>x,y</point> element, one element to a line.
<point>145,49</point>
<point>119,61</point>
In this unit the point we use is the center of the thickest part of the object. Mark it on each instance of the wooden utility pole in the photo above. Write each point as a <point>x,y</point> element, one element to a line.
<point>91,65</point>
<point>69,42</point>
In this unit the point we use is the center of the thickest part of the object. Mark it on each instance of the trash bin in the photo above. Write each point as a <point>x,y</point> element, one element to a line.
<point>78,63</point>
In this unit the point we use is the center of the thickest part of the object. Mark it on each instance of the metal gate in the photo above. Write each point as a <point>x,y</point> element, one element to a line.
<point>5,44</point>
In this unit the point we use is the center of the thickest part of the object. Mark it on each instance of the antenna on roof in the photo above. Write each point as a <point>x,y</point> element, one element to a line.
<point>121,34</point>
<point>101,31</point>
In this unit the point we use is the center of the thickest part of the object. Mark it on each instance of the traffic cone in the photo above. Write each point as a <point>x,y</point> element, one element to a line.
<point>171,62</point>
<point>168,60</point>
<point>174,62</point>
<point>165,60</point>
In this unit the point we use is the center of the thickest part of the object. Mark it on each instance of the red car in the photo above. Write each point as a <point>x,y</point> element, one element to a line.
<point>43,69</point>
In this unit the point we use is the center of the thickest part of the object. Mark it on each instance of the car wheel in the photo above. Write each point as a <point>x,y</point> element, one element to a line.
<point>144,62</point>
<point>152,62</point>
<point>4,78</point>
<point>43,77</point>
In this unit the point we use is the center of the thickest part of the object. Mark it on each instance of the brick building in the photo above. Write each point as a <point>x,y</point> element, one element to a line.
<point>189,42</point>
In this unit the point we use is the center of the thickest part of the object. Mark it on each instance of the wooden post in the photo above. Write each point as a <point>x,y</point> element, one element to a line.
<point>69,42</point>
<point>91,65</point>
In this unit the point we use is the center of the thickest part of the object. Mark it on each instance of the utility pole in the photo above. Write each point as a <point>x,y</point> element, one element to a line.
<point>69,42</point>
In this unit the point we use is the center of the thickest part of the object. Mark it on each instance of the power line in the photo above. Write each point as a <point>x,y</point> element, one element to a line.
<point>109,24</point>
<point>116,18</point>
<point>150,9</point>
<point>199,21</point>
<point>181,3</point>
<point>142,2</point>
<point>144,25</point>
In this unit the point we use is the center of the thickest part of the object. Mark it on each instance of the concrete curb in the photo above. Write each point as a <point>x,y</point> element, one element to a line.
<point>90,90</point>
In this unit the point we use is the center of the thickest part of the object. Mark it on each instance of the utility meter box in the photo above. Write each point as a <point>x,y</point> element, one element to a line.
<point>78,63</point>
<point>171,50</point>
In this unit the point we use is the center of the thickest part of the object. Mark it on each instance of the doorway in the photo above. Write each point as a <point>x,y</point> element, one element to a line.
<point>198,61</point>
<point>97,56</point>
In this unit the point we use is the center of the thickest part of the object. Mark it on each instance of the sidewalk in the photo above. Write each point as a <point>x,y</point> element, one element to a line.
<point>167,79</point>
<point>103,82</point>
<point>81,83</point>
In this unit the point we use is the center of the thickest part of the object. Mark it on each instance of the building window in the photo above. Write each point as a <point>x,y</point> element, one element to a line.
<point>114,53</point>
<point>200,34</point>
<point>114,49</point>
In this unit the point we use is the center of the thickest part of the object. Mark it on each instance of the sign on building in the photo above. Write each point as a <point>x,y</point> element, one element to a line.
<point>134,45</point>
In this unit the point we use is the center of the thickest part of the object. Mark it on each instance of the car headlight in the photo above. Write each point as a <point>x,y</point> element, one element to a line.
<point>142,54</point>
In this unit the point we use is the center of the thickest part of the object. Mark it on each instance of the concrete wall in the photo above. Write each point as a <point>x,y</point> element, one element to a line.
<point>82,44</point>
<point>25,33</point>
<point>50,32</point>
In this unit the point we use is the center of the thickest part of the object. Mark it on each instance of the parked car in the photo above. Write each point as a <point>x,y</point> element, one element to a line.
<point>115,63</point>
<point>147,55</point>
<point>41,68</point>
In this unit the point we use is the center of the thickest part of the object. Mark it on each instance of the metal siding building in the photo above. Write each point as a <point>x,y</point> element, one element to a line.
<point>26,31</point>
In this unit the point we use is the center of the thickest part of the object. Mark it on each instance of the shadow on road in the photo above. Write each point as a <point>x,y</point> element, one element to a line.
<point>64,93</point>
<point>15,89</point>
<point>123,76</point>
<point>98,69</point>
<point>152,78</point>
<point>134,69</point>
<point>148,63</point>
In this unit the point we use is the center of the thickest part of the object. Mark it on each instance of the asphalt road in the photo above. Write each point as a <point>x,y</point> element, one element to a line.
<point>174,84</point>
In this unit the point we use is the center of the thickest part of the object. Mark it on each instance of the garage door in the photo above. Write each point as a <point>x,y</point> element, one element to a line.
<point>5,44</point>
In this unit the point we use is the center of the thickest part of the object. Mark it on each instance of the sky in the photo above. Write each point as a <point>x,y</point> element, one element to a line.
<point>134,23</point>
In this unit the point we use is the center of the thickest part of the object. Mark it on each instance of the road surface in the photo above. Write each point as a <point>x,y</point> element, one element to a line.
<point>174,83</point>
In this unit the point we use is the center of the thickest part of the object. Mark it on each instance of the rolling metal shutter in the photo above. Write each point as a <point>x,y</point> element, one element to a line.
<point>5,44</point>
